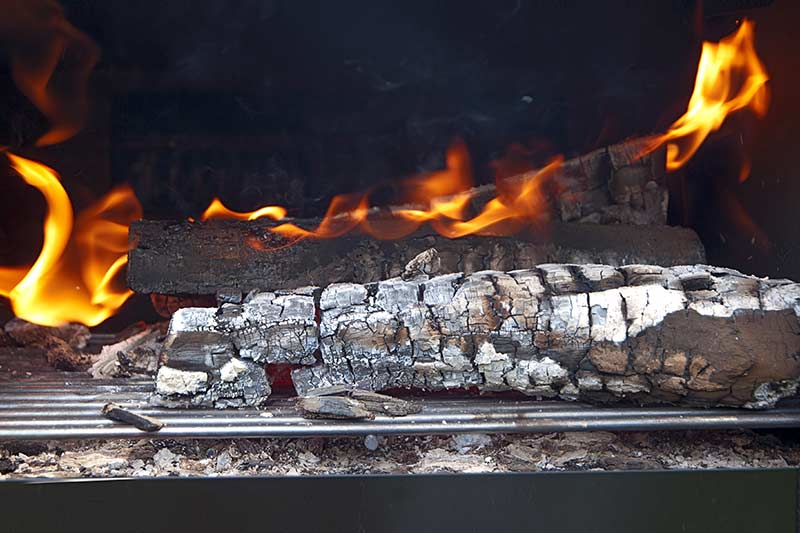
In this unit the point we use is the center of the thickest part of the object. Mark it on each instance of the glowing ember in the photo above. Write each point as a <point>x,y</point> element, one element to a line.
<point>730,77</point>
<point>72,279</point>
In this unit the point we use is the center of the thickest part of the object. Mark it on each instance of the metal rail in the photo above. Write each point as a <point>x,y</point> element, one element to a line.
<point>60,406</point>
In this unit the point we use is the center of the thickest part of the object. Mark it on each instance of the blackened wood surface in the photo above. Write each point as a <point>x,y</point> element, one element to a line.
<point>169,257</point>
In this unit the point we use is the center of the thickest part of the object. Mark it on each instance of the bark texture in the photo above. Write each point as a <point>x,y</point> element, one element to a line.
<point>612,185</point>
<point>691,334</point>
<point>206,258</point>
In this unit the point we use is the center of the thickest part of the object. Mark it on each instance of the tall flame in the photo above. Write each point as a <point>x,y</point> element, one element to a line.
<point>730,76</point>
<point>72,279</point>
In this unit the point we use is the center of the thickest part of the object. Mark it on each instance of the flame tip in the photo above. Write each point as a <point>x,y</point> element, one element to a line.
<point>722,64</point>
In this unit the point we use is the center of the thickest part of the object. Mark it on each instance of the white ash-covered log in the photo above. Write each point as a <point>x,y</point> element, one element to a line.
<point>692,335</point>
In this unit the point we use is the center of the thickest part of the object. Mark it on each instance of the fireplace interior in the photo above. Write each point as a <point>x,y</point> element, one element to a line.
<point>504,221</point>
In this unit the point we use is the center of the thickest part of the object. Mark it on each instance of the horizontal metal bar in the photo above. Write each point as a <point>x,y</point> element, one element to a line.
<point>68,407</point>
<point>460,411</point>
<point>188,420</point>
<point>98,404</point>
<point>310,428</point>
<point>67,397</point>
<point>17,388</point>
<point>284,423</point>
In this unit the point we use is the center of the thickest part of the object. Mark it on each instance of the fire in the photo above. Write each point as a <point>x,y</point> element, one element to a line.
<point>216,209</point>
<point>730,76</point>
<point>441,199</point>
<point>72,279</point>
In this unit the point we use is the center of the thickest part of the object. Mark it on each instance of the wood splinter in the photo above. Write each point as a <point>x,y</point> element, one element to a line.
<point>344,402</point>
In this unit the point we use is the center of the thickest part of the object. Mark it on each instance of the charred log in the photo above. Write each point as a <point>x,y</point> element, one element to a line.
<point>686,335</point>
<point>237,383</point>
<point>206,258</point>
<point>608,186</point>
<point>201,369</point>
<point>333,407</point>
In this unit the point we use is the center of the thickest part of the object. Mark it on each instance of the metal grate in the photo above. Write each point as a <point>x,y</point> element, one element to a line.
<point>67,406</point>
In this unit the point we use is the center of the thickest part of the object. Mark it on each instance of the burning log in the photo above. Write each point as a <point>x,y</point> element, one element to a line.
<point>610,185</point>
<point>205,258</point>
<point>692,335</point>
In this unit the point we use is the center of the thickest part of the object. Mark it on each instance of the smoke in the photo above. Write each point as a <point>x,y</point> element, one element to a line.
<point>50,62</point>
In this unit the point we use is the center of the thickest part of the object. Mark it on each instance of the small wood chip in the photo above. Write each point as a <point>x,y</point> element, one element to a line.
<point>114,412</point>
<point>345,402</point>
<point>335,407</point>
<point>384,404</point>
<point>423,265</point>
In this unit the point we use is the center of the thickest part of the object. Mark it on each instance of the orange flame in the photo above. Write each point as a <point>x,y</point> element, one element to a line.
<point>730,76</point>
<point>72,279</point>
<point>216,210</point>
<point>442,199</point>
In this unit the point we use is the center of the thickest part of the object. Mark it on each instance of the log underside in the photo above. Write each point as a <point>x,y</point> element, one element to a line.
<point>217,256</point>
<point>693,335</point>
